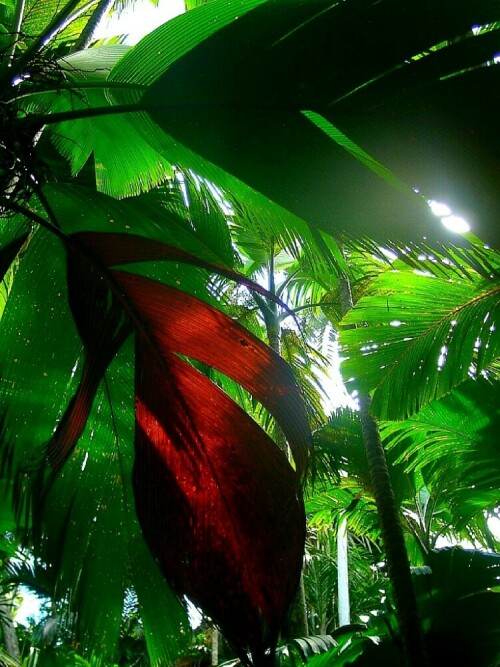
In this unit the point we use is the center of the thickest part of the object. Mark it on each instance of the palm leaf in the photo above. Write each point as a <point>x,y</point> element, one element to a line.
<point>132,155</point>
<point>313,645</point>
<point>92,500</point>
<point>51,22</point>
<point>419,336</point>
<point>167,445</point>
<point>450,443</point>
<point>436,258</point>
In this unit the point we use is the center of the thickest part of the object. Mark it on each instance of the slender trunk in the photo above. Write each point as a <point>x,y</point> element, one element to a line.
<point>296,622</point>
<point>398,565</point>
<point>10,642</point>
<point>87,33</point>
<point>214,653</point>
<point>344,609</point>
<point>343,601</point>
<point>392,533</point>
<point>18,21</point>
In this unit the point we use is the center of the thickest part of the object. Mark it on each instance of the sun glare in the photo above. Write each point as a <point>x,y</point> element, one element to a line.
<point>439,209</point>
<point>456,224</point>
<point>452,222</point>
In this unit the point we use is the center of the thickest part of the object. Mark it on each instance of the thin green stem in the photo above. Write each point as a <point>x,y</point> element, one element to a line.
<point>82,85</point>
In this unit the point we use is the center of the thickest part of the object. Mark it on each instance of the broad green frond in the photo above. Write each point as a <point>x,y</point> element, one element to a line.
<point>415,337</point>
<point>452,444</point>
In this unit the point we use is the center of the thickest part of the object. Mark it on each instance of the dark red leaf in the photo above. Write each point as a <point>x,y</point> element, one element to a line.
<point>100,321</point>
<point>103,327</point>
<point>181,323</point>
<point>217,501</point>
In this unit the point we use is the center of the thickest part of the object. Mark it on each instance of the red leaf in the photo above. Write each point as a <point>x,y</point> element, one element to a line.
<point>217,501</point>
<point>181,323</point>
<point>191,327</point>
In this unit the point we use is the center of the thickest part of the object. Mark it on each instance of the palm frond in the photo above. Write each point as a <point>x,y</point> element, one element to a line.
<point>418,336</point>
<point>451,444</point>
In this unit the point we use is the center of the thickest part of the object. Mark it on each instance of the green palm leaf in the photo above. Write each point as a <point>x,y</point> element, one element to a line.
<point>242,83</point>
<point>451,444</point>
<point>419,336</point>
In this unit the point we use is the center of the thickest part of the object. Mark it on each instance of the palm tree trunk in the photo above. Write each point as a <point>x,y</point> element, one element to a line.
<point>9,632</point>
<point>214,652</point>
<point>296,623</point>
<point>343,603</point>
<point>87,33</point>
<point>392,533</point>
<point>398,565</point>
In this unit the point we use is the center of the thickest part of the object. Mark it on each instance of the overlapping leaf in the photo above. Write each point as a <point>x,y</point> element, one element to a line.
<point>203,425</point>
<point>92,499</point>
<point>38,17</point>
<point>89,413</point>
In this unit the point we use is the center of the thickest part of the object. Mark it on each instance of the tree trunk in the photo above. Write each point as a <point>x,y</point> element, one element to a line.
<point>296,622</point>
<point>214,653</point>
<point>87,33</point>
<point>392,534</point>
<point>10,642</point>
<point>398,565</point>
<point>343,604</point>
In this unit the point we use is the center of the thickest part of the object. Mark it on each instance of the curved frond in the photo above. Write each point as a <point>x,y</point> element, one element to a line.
<point>415,337</point>
<point>451,444</point>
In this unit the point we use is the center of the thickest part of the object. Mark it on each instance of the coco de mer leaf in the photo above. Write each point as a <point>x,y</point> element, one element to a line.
<point>103,327</point>
<point>116,248</point>
<point>225,534</point>
<point>184,324</point>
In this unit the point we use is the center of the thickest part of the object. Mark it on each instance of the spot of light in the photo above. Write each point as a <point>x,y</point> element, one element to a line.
<point>456,224</point>
<point>452,222</point>
<point>439,209</point>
